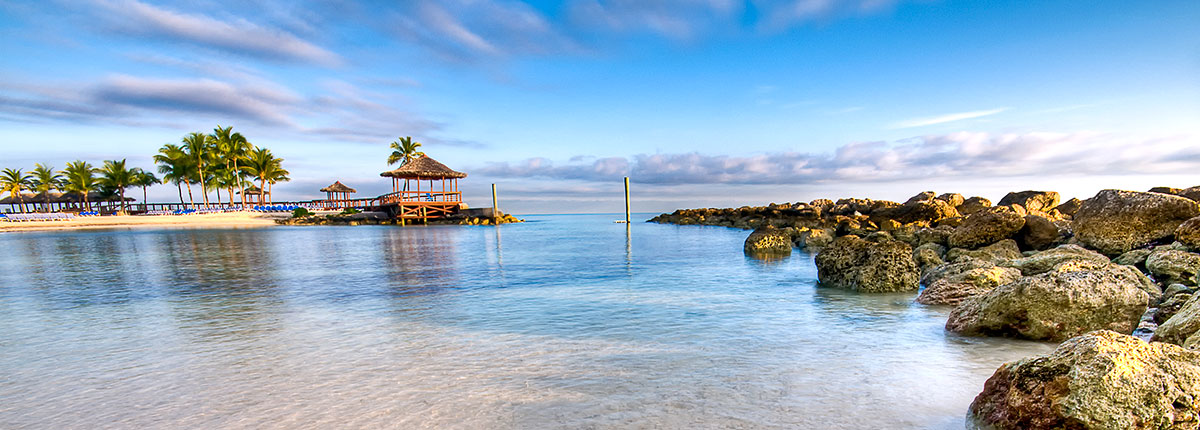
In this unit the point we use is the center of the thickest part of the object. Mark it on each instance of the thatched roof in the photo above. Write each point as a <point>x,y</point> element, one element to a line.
<point>10,200</point>
<point>253,189</point>
<point>424,168</point>
<point>338,187</point>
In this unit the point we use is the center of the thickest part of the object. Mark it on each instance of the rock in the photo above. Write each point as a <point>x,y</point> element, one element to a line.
<point>973,204</point>
<point>1188,233</point>
<point>889,224</point>
<point>1170,307</point>
<point>1179,327</point>
<point>1101,380</point>
<point>1045,261</point>
<point>1041,201</point>
<point>923,196</point>
<point>1116,221</point>
<point>924,210</point>
<point>1040,232</point>
<point>1135,257</point>
<point>768,240</point>
<point>954,199</point>
<point>1174,289</point>
<point>1173,267</point>
<point>995,253</point>
<point>987,226</point>
<point>1069,207</point>
<point>1190,192</point>
<point>1075,297</point>
<point>1166,190</point>
<point>928,256</point>
<point>856,264</point>
<point>952,289</point>
<point>939,235</point>
<point>814,239</point>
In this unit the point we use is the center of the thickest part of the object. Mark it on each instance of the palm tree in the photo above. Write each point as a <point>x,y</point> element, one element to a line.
<point>81,179</point>
<point>404,149</point>
<point>230,148</point>
<point>197,146</point>
<point>115,176</point>
<point>14,182</point>
<point>263,165</point>
<point>45,180</point>
<point>177,168</point>
<point>144,179</point>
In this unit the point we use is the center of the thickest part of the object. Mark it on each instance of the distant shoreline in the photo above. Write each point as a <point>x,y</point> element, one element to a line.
<point>216,220</point>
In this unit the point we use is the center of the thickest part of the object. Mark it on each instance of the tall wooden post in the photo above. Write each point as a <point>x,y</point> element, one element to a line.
<point>495,207</point>
<point>626,200</point>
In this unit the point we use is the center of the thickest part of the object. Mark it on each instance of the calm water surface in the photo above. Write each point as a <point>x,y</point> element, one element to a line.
<point>561,322</point>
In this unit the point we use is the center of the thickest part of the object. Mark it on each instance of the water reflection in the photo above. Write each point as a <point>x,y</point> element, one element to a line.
<point>414,327</point>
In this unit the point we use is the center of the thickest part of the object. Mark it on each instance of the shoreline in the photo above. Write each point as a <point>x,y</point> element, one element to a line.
<point>217,220</point>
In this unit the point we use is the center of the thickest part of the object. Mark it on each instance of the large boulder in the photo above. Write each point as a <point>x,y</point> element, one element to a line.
<point>930,210</point>
<point>1102,380</point>
<point>1069,207</point>
<point>1173,267</point>
<point>1041,232</point>
<point>1040,201</point>
<point>987,226</point>
<point>1045,261</point>
<point>923,196</point>
<point>928,256</point>
<point>954,199</point>
<point>1190,192</point>
<point>973,204</point>
<point>1179,327</point>
<point>1074,298</point>
<point>815,239</point>
<point>853,263</point>
<point>1188,233</point>
<point>995,253</point>
<point>967,279</point>
<point>1171,306</point>
<point>768,240</point>
<point>1135,258</point>
<point>1117,221</point>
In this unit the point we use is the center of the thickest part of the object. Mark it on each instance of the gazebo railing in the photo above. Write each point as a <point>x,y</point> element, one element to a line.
<point>420,196</point>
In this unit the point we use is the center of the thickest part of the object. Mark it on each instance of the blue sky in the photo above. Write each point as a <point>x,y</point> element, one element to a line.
<point>700,102</point>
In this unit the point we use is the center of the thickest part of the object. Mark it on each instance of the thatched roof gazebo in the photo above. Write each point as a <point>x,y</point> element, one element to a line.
<point>337,194</point>
<point>254,195</point>
<point>426,169</point>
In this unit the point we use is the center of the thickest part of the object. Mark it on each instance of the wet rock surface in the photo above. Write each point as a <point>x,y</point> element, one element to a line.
<point>1100,380</point>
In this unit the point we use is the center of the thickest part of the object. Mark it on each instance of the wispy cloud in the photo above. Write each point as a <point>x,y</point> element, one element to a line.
<point>978,155</point>
<point>473,30</point>
<point>942,119</point>
<point>236,35</point>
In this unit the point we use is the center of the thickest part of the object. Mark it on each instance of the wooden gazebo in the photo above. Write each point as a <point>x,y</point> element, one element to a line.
<point>338,194</point>
<point>254,195</point>
<point>438,197</point>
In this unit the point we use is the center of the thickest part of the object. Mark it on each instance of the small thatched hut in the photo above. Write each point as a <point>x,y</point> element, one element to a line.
<point>338,192</point>
<point>254,195</point>
<point>426,169</point>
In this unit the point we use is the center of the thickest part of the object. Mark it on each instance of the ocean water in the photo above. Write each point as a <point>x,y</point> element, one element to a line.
<point>567,321</point>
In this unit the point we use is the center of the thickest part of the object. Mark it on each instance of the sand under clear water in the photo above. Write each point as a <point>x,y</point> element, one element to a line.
<point>560,322</point>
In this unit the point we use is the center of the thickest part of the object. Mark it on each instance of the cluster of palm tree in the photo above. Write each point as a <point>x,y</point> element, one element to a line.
<point>79,177</point>
<point>221,160</point>
<point>403,151</point>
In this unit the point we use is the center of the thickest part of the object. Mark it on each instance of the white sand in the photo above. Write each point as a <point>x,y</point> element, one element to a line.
<point>218,220</point>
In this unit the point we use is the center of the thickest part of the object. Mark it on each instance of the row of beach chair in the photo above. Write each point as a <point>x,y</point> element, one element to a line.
<point>277,208</point>
<point>55,216</point>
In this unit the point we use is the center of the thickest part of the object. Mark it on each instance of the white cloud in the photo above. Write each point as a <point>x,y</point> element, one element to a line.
<point>951,117</point>
<point>237,35</point>
<point>966,154</point>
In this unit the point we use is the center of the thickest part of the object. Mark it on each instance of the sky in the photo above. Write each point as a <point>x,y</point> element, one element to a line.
<point>702,103</point>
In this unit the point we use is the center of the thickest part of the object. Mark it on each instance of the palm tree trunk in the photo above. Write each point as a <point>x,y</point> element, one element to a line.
<point>123,208</point>
<point>86,202</point>
<point>145,201</point>
<point>180,187</point>
<point>203,186</point>
<point>238,176</point>
<point>271,192</point>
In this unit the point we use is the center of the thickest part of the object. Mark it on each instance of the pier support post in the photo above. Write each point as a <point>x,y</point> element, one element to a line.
<point>495,207</point>
<point>626,200</point>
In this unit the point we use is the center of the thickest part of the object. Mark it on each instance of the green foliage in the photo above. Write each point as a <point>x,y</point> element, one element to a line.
<point>350,211</point>
<point>300,213</point>
<point>404,150</point>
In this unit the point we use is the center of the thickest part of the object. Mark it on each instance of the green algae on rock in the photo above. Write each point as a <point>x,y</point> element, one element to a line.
<point>854,263</point>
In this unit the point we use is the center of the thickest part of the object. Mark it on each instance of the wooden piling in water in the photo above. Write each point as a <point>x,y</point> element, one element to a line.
<point>495,207</point>
<point>626,200</point>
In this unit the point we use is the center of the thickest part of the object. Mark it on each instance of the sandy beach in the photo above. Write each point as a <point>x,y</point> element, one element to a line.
<point>218,220</point>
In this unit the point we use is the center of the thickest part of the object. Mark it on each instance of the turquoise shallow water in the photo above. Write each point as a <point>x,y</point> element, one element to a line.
<point>561,322</point>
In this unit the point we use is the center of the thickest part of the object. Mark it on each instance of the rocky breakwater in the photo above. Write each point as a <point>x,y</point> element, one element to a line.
<point>1087,272</point>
